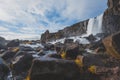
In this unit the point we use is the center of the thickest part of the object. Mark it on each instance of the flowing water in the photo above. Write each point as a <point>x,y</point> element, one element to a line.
<point>95,25</point>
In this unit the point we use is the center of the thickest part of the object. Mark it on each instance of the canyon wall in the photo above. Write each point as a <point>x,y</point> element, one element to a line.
<point>111,17</point>
<point>74,30</point>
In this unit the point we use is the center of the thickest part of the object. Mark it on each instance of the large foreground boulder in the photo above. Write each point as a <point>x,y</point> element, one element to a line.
<point>112,45</point>
<point>53,69</point>
<point>102,66</point>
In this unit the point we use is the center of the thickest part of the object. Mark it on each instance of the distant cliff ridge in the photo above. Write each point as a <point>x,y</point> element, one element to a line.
<point>74,30</point>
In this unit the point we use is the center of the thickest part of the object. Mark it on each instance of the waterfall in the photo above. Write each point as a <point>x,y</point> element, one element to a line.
<point>95,25</point>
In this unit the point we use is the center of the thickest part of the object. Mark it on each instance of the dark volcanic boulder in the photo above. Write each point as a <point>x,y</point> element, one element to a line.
<point>91,38</point>
<point>58,56</point>
<point>49,46</point>
<point>58,47</point>
<point>111,18</point>
<point>26,48</point>
<point>96,64</point>
<point>68,41</point>
<point>71,51</point>
<point>97,44</point>
<point>101,35</point>
<point>106,73</point>
<point>22,64</point>
<point>8,55</point>
<point>53,69</point>
<point>4,70</point>
<point>13,43</point>
<point>93,59</point>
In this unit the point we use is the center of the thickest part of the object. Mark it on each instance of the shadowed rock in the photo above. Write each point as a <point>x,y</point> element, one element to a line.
<point>22,64</point>
<point>53,69</point>
<point>4,70</point>
<point>112,45</point>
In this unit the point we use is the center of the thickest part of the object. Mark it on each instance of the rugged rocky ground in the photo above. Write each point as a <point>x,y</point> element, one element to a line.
<point>66,59</point>
<point>28,60</point>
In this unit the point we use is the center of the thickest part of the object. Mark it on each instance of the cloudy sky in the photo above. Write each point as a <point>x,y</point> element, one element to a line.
<point>27,19</point>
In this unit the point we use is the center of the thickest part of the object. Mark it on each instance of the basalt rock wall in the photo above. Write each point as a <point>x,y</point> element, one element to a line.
<point>74,30</point>
<point>111,18</point>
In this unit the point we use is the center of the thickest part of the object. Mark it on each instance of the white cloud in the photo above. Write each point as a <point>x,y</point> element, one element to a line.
<point>27,18</point>
<point>12,35</point>
<point>3,29</point>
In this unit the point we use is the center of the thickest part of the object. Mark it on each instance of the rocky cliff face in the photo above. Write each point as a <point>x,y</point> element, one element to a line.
<point>74,30</point>
<point>110,24</point>
<point>111,18</point>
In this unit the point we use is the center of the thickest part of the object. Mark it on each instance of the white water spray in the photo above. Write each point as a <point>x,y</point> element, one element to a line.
<point>95,25</point>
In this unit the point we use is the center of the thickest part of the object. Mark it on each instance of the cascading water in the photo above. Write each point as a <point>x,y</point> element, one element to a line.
<point>95,25</point>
